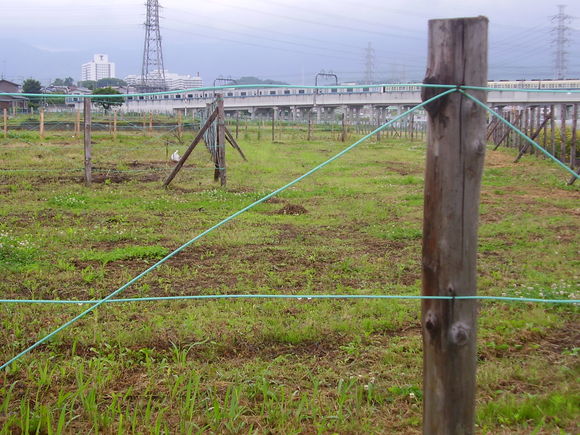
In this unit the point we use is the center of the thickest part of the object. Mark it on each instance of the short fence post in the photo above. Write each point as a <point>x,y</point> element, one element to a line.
<point>273,124</point>
<point>114,125</point>
<point>5,122</point>
<point>87,141</point>
<point>41,125</point>
<point>221,139</point>
<point>78,124</point>
<point>309,134</point>
<point>563,133</point>
<point>456,147</point>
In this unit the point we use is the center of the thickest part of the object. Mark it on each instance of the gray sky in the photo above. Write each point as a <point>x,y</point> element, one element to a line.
<point>287,40</point>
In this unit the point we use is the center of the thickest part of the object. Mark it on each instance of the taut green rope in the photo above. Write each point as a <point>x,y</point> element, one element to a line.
<point>219,224</point>
<point>518,131</point>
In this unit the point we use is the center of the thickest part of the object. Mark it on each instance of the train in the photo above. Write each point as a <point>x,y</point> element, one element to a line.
<point>203,94</point>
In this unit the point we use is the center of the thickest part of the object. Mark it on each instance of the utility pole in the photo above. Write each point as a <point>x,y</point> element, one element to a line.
<point>152,70</point>
<point>369,64</point>
<point>561,31</point>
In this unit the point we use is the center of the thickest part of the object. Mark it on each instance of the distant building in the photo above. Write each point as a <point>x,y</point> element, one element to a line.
<point>99,68</point>
<point>173,81</point>
<point>11,102</point>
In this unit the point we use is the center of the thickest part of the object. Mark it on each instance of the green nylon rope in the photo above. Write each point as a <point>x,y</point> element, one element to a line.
<point>518,131</point>
<point>294,296</point>
<point>219,224</point>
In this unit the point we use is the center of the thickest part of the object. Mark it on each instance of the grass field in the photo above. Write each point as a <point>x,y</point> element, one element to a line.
<point>263,366</point>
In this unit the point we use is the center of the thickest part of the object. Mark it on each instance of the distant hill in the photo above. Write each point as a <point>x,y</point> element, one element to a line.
<point>250,80</point>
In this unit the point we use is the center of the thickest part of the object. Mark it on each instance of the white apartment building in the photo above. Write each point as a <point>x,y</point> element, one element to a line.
<point>98,68</point>
<point>173,81</point>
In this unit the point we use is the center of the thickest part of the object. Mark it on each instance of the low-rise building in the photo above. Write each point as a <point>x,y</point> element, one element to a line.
<point>13,102</point>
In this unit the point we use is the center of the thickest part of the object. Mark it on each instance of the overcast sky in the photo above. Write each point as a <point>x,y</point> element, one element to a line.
<point>287,40</point>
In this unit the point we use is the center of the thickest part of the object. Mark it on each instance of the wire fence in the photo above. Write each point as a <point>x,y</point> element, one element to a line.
<point>112,296</point>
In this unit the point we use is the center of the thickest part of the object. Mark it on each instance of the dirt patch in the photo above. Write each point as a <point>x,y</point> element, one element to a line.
<point>104,177</point>
<point>292,209</point>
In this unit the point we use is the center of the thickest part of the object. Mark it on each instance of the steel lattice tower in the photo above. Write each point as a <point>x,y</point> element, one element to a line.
<point>369,64</point>
<point>560,41</point>
<point>152,71</point>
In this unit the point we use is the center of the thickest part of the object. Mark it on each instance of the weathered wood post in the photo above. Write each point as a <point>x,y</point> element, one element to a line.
<point>309,134</point>
<point>221,139</point>
<point>5,117</point>
<point>563,132</point>
<point>573,143</point>
<point>456,148</point>
<point>41,125</point>
<point>179,124</point>
<point>78,124</point>
<point>237,123</point>
<point>274,109</point>
<point>114,125</point>
<point>87,141</point>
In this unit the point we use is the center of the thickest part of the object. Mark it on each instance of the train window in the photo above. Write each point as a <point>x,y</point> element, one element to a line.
<point>230,94</point>
<point>128,98</point>
<point>334,90</point>
<point>243,94</point>
<point>166,97</point>
<point>349,90</point>
<point>365,89</point>
<point>141,97</point>
<point>300,91</point>
<point>189,95</point>
<point>272,92</point>
<point>287,92</point>
<point>178,96</point>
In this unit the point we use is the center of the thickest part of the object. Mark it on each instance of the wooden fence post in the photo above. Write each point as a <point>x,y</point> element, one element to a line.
<point>573,143</point>
<point>5,116</point>
<point>309,134</point>
<point>78,124</point>
<point>87,141</point>
<point>563,133</point>
<point>237,123</point>
<point>114,125</point>
<point>221,139</point>
<point>273,124</point>
<point>456,147</point>
<point>41,125</point>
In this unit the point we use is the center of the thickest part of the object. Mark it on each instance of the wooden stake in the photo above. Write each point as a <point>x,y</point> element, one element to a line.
<point>273,123</point>
<point>87,141</point>
<point>456,146</point>
<point>78,124</point>
<point>191,147</point>
<point>343,134</point>
<point>115,125</point>
<point>5,113</point>
<point>179,124</point>
<point>41,126</point>
<point>234,144</point>
<point>563,133</point>
<point>221,140</point>
<point>553,130</point>
<point>237,123</point>
<point>150,122</point>
<point>573,144</point>
<point>533,136</point>
<point>309,134</point>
